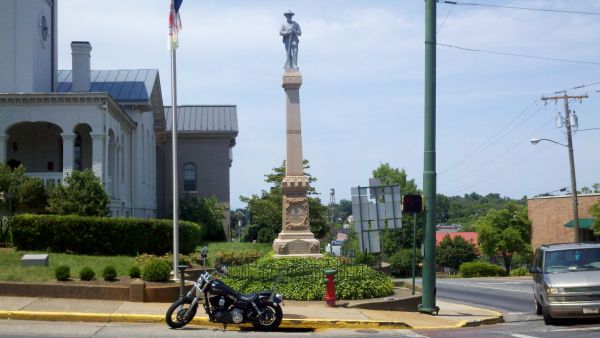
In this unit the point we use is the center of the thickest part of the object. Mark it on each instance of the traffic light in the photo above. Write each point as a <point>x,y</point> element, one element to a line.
<point>412,203</point>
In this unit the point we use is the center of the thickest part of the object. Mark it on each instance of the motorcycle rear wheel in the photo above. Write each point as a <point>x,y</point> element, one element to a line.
<point>270,319</point>
<point>175,316</point>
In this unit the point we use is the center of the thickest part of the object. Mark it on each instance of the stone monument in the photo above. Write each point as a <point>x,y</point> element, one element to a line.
<point>295,238</point>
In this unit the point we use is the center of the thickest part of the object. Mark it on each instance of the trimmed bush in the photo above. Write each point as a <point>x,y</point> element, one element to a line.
<point>519,272</point>
<point>302,278</point>
<point>62,273</point>
<point>156,270</point>
<point>480,269</point>
<point>134,272</point>
<point>102,235</point>
<point>86,274</point>
<point>109,273</point>
<point>401,263</point>
<point>237,257</point>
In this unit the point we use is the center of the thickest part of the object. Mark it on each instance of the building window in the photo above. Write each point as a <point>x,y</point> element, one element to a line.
<point>189,177</point>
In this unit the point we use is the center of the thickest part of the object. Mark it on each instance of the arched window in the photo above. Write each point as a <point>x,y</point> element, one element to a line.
<point>189,177</point>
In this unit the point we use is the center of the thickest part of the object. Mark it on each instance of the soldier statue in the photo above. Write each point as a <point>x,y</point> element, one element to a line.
<point>290,31</point>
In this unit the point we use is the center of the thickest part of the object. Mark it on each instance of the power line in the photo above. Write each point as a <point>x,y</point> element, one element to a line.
<point>444,21</point>
<point>490,141</point>
<point>518,55</point>
<point>516,7</point>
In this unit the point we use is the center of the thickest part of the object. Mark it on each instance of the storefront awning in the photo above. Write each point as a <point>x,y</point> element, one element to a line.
<point>584,223</point>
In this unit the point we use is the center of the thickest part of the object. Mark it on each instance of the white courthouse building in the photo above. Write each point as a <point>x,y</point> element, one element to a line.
<point>111,121</point>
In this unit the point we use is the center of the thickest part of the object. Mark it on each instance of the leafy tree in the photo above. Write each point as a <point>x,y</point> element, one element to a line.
<point>28,193</point>
<point>389,176</point>
<point>453,252</point>
<point>505,232</point>
<point>265,210</point>
<point>595,211</point>
<point>205,210</point>
<point>82,194</point>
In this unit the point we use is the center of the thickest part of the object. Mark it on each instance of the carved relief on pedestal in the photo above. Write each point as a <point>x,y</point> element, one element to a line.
<point>279,248</point>
<point>314,247</point>
<point>296,213</point>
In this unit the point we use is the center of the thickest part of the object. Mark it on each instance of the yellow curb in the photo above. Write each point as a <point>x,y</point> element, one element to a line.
<point>55,316</point>
<point>133,318</point>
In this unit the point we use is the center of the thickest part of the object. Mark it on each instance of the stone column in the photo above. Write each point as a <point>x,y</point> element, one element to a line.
<point>98,155</point>
<point>295,238</point>
<point>3,139</point>
<point>68,153</point>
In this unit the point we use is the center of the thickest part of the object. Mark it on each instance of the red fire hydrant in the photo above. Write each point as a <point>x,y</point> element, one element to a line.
<point>330,290</point>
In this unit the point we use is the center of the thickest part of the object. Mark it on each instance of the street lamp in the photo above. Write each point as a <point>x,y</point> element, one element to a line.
<point>569,146</point>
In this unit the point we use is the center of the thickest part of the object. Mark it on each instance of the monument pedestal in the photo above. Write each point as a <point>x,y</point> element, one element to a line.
<point>295,238</point>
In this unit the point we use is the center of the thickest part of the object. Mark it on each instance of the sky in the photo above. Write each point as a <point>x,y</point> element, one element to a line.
<point>362,97</point>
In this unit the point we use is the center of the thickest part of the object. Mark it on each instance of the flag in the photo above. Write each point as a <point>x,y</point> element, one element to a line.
<point>174,24</point>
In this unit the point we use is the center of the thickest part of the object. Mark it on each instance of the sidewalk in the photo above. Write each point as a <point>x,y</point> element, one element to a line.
<point>307,315</point>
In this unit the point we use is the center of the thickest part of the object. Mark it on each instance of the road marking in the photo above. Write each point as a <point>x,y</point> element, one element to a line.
<point>504,283</point>
<point>488,287</point>
<point>413,334</point>
<point>577,329</point>
<point>521,336</point>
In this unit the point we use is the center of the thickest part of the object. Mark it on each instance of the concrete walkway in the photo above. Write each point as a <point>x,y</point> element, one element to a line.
<point>307,315</point>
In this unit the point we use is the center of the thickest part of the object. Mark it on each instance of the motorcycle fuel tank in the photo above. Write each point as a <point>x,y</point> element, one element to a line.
<point>221,289</point>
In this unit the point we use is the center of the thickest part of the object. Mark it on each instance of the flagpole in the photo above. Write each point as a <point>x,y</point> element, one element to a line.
<point>175,181</point>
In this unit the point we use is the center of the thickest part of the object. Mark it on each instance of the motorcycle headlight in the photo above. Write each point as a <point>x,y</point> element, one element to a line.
<point>278,298</point>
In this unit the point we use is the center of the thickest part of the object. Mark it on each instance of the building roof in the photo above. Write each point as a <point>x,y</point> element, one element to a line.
<point>125,86</point>
<point>467,236</point>
<point>204,118</point>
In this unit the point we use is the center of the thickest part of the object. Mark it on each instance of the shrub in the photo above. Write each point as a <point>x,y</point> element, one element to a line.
<point>519,272</point>
<point>205,210</point>
<point>480,269</point>
<point>134,272</point>
<point>302,278</point>
<point>101,235</point>
<point>82,194</point>
<point>62,273</point>
<point>401,263</point>
<point>156,270</point>
<point>237,257</point>
<point>86,274</point>
<point>109,273</point>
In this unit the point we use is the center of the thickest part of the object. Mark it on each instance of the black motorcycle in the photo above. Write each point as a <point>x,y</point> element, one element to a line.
<point>224,305</point>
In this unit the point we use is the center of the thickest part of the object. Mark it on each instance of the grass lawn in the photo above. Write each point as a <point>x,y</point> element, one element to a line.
<point>12,271</point>
<point>213,247</point>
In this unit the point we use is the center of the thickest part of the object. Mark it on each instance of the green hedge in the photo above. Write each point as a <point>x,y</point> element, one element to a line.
<point>480,269</point>
<point>102,235</point>
<point>302,278</point>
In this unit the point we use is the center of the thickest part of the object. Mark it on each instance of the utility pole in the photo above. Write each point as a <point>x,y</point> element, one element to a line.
<point>566,98</point>
<point>428,304</point>
<point>332,203</point>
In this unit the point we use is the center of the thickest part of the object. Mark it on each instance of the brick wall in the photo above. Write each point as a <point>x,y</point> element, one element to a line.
<point>549,214</point>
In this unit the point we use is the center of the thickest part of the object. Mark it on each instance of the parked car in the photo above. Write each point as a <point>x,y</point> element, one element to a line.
<point>566,281</point>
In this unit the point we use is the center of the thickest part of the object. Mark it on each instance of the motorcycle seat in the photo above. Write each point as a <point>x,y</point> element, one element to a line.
<point>249,297</point>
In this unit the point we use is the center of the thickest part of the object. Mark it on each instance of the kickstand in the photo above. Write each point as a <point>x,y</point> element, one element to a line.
<point>224,327</point>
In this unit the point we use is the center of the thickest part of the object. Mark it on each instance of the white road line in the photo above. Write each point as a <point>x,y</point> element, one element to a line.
<point>521,336</point>
<point>578,329</point>
<point>505,283</point>
<point>488,287</point>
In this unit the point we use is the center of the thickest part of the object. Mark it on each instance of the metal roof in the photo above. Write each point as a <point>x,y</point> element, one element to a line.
<point>204,118</point>
<point>125,86</point>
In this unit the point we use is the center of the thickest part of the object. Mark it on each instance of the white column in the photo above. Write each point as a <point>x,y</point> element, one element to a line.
<point>3,139</point>
<point>98,155</point>
<point>68,153</point>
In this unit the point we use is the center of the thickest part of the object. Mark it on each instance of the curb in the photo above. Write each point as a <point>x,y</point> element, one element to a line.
<point>315,324</point>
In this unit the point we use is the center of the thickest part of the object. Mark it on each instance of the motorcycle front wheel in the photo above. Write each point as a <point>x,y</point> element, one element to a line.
<point>270,319</point>
<point>176,317</point>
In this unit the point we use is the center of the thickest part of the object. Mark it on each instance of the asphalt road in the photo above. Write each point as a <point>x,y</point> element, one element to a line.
<point>502,294</point>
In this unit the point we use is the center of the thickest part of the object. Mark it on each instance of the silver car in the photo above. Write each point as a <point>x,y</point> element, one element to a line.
<point>566,281</point>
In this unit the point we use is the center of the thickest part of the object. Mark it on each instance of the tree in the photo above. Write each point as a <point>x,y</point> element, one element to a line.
<point>28,193</point>
<point>205,210</point>
<point>453,252</point>
<point>392,176</point>
<point>265,210</point>
<point>595,211</point>
<point>82,194</point>
<point>505,232</point>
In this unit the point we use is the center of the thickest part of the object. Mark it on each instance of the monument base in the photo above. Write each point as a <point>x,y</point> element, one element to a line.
<point>296,245</point>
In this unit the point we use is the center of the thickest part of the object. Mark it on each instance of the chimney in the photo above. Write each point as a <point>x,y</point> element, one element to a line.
<point>80,50</point>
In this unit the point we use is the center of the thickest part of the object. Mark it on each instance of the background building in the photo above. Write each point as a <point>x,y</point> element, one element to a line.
<point>551,218</point>
<point>53,122</point>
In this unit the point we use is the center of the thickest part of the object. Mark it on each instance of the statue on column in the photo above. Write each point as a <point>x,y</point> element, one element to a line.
<point>290,31</point>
